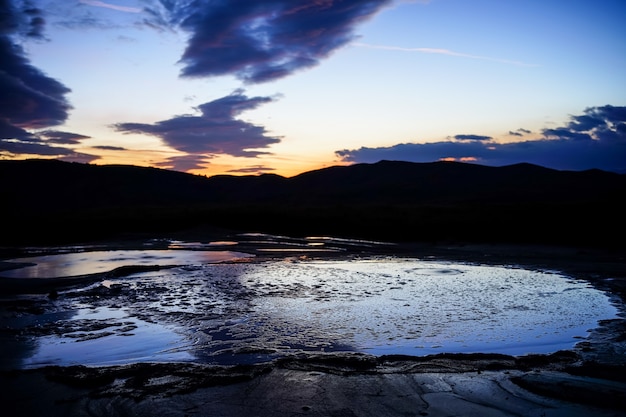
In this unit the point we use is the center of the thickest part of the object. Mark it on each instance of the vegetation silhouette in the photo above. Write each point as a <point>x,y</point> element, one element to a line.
<point>49,201</point>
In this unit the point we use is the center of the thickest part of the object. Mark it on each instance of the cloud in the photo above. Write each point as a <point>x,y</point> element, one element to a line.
<point>18,141</point>
<point>32,148</point>
<point>83,158</point>
<point>21,18</point>
<point>256,169</point>
<point>30,99</point>
<point>63,138</point>
<point>255,41</point>
<point>595,139</point>
<point>415,152</point>
<point>109,148</point>
<point>215,131</point>
<point>519,132</point>
<point>185,162</point>
<point>260,41</point>
<point>472,137</point>
<point>9,131</point>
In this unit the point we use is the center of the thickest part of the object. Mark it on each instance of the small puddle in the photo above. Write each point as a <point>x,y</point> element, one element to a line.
<point>106,336</point>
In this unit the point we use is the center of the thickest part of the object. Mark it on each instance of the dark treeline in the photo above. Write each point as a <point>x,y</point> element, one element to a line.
<point>46,202</point>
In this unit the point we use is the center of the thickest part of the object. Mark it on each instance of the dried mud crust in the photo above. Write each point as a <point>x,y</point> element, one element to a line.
<point>166,379</point>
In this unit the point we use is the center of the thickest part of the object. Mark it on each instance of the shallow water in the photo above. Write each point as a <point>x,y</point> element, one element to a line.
<point>255,311</point>
<point>409,306</point>
<point>96,336</point>
<point>92,262</point>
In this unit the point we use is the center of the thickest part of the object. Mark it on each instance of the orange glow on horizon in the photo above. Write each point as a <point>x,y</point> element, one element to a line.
<point>220,165</point>
<point>462,159</point>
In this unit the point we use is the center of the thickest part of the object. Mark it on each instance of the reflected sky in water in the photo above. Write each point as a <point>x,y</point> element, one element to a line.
<point>226,313</point>
<point>108,336</point>
<point>408,306</point>
<point>83,263</point>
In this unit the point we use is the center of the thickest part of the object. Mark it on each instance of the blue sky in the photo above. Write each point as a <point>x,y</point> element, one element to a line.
<point>285,86</point>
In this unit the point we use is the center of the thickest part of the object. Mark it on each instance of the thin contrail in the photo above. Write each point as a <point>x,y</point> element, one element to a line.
<point>98,3</point>
<point>440,51</point>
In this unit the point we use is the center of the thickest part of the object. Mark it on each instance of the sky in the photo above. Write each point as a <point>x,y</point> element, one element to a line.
<point>287,86</point>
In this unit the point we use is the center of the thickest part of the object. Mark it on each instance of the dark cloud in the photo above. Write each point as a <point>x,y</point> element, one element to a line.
<point>29,99</point>
<point>83,158</point>
<point>215,131</point>
<point>596,139</point>
<point>9,131</point>
<point>109,148</point>
<point>62,138</point>
<point>584,123</point>
<point>519,132</point>
<point>566,133</point>
<point>256,169</point>
<point>185,162</point>
<point>35,21</point>
<point>415,152</point>
<point>32,148</point>
<point>21,142</point>
<point>259,41</point>
<point>472,137</point>
<point>21,18</point>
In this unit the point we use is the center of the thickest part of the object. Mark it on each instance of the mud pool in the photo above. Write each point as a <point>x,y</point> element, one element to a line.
<point>228,307</point>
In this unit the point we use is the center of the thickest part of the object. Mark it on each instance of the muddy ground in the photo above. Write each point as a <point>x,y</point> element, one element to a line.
<point>587,380</point>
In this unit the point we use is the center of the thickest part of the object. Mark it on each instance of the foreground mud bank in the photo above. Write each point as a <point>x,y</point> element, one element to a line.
<point>325,385</point>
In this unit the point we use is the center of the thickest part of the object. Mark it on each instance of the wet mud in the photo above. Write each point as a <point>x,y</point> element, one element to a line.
<point>339,384</point>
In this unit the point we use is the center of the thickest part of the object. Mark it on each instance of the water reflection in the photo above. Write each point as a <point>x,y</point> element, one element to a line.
<point>107,336</point>
<point>408,306</point>
<point>83,263</point>
<point>19,339</point>
<point>254,311</point>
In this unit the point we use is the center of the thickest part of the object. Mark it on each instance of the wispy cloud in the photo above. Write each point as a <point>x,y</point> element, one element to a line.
<point>256,169</point>
<point>473,137</point>
<point>440,51</point>
<point>98,3</point>
<point>519,132</point>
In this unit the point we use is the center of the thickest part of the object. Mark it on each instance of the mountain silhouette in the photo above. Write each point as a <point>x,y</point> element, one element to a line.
<point>46,201</point>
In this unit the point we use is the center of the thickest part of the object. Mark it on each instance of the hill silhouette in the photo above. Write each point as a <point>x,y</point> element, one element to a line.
<point>47,201</point>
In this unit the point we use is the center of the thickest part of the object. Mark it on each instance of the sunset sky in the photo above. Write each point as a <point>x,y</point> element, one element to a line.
<point>286,86</point>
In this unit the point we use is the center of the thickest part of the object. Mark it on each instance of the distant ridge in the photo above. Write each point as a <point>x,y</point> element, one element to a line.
<point>390,199</point>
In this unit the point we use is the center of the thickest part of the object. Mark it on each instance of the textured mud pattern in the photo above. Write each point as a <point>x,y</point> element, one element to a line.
<point>247,310</point>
